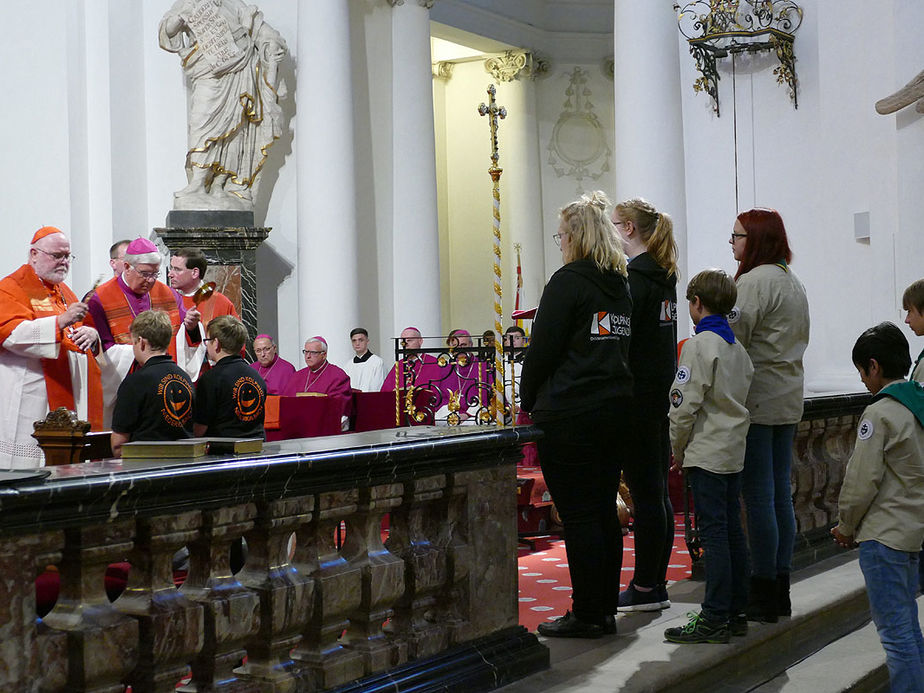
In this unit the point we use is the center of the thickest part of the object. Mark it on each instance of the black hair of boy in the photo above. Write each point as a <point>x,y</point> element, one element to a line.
<point>230,332</point>
<point>885,343</point>
<point>154,326</point>
<point>914,296</point>
<point>715,289</point>
<point>359,330</point>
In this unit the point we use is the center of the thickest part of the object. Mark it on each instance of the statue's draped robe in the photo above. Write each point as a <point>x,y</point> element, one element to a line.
<point>234,115</point>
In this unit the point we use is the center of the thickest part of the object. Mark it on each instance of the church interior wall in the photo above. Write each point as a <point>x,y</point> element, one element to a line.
<point>467,250</point>
<point>820,166</point>
<point>560,183</point>
<point>35,176</point>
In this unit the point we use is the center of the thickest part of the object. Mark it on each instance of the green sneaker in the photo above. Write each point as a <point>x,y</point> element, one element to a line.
<point>698,629</point>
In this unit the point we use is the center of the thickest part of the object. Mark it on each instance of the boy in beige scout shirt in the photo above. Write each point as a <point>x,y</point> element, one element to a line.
<point>709,424</point>
<point>882,496</point>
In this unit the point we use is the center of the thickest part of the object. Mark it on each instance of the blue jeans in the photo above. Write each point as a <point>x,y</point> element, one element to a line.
<point>580,458</point>
<point>891,582</point>
<point>718,519</point>
<point>767,491</point>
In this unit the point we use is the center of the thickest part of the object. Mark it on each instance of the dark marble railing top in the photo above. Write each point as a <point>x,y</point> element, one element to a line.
<point>835,405</point>
<point>106,489</point>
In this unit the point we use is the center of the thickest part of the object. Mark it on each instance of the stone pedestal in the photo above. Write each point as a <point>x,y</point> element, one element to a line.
<point>232,255</point>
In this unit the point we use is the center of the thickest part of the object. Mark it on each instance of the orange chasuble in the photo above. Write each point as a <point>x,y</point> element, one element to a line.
<point>120,316</point>
<point>24,296</point>
<point>215,305</point>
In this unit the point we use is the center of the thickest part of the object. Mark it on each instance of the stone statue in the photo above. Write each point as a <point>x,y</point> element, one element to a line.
<point>231,58</point>
<point>907,95</point>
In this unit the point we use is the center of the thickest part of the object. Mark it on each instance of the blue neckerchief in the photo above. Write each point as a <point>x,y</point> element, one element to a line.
<point>719,325</point>
<point>910,393</point>
<point>783,265</point>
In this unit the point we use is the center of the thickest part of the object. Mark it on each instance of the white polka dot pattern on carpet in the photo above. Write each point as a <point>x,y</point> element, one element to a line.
<point>545,585</point>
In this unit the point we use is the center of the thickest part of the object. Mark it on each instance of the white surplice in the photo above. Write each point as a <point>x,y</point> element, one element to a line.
<point>25,398</point>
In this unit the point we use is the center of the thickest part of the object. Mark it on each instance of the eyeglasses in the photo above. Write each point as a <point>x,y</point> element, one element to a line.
<point>619,223</point>
<point>57,256</point>
<point>557,237</point>
<point>267,350</point>
<point>209,339</point>
<point>738,235</point>
<point>313,353</point>
<point>144,275</point>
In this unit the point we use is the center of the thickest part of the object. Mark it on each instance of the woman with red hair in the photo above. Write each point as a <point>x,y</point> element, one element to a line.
<point>771,320</point>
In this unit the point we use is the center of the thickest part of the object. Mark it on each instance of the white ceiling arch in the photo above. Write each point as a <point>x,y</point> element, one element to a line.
<point>565,30</point>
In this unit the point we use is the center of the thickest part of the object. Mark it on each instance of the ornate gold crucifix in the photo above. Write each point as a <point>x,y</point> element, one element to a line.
<point>497,402</point>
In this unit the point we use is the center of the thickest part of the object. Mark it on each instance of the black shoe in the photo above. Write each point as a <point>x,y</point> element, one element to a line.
<point>632,599</point>
<point>570,626</point>
<point>698,630</point>
<point>762,600</point>
<point>783,604</point>
<point>609,625</point>
<point>738,625</point>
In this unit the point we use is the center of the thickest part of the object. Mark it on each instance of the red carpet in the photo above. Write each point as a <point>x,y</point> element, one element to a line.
<point>545,588</point>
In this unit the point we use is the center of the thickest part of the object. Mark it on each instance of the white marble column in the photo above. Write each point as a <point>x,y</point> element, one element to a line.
<point>649,152</point>
<point>327,236</point>
<point>415,238</point>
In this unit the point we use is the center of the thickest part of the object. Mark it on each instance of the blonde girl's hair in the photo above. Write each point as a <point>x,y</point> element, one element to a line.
<point>592,234</point>
<point>656,229</point>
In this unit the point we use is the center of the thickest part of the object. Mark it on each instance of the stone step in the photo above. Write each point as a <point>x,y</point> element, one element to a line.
<point>855,662</point>
<point>829,602</point>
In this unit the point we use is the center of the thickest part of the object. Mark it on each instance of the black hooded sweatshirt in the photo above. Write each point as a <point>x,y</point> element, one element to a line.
<point>578,356</point>
<point>653,351</point>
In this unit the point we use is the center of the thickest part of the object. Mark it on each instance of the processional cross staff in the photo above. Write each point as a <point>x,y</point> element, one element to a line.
<point>494,112</point>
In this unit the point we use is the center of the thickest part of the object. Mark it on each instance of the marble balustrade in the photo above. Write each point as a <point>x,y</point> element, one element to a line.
<point>437,599</point>
<point>823,444</point>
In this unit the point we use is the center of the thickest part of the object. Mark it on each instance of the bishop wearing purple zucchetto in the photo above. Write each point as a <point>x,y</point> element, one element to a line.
<point>274,369</point>
<point>323,377</point>
<point>113,306</point>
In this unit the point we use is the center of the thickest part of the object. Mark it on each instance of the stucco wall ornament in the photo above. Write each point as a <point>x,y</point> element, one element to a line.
<point>718,28</point>
<point>515,65</point>
<point>443,69</point>
<point>578,146</point>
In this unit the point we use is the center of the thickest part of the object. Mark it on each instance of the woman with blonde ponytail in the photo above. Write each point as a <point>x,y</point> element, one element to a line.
<point>648,239</point>
<point>577,386</point>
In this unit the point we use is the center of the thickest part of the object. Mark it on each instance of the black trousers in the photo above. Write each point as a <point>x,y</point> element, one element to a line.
<point>647,462</point>
<point>581,460</point>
